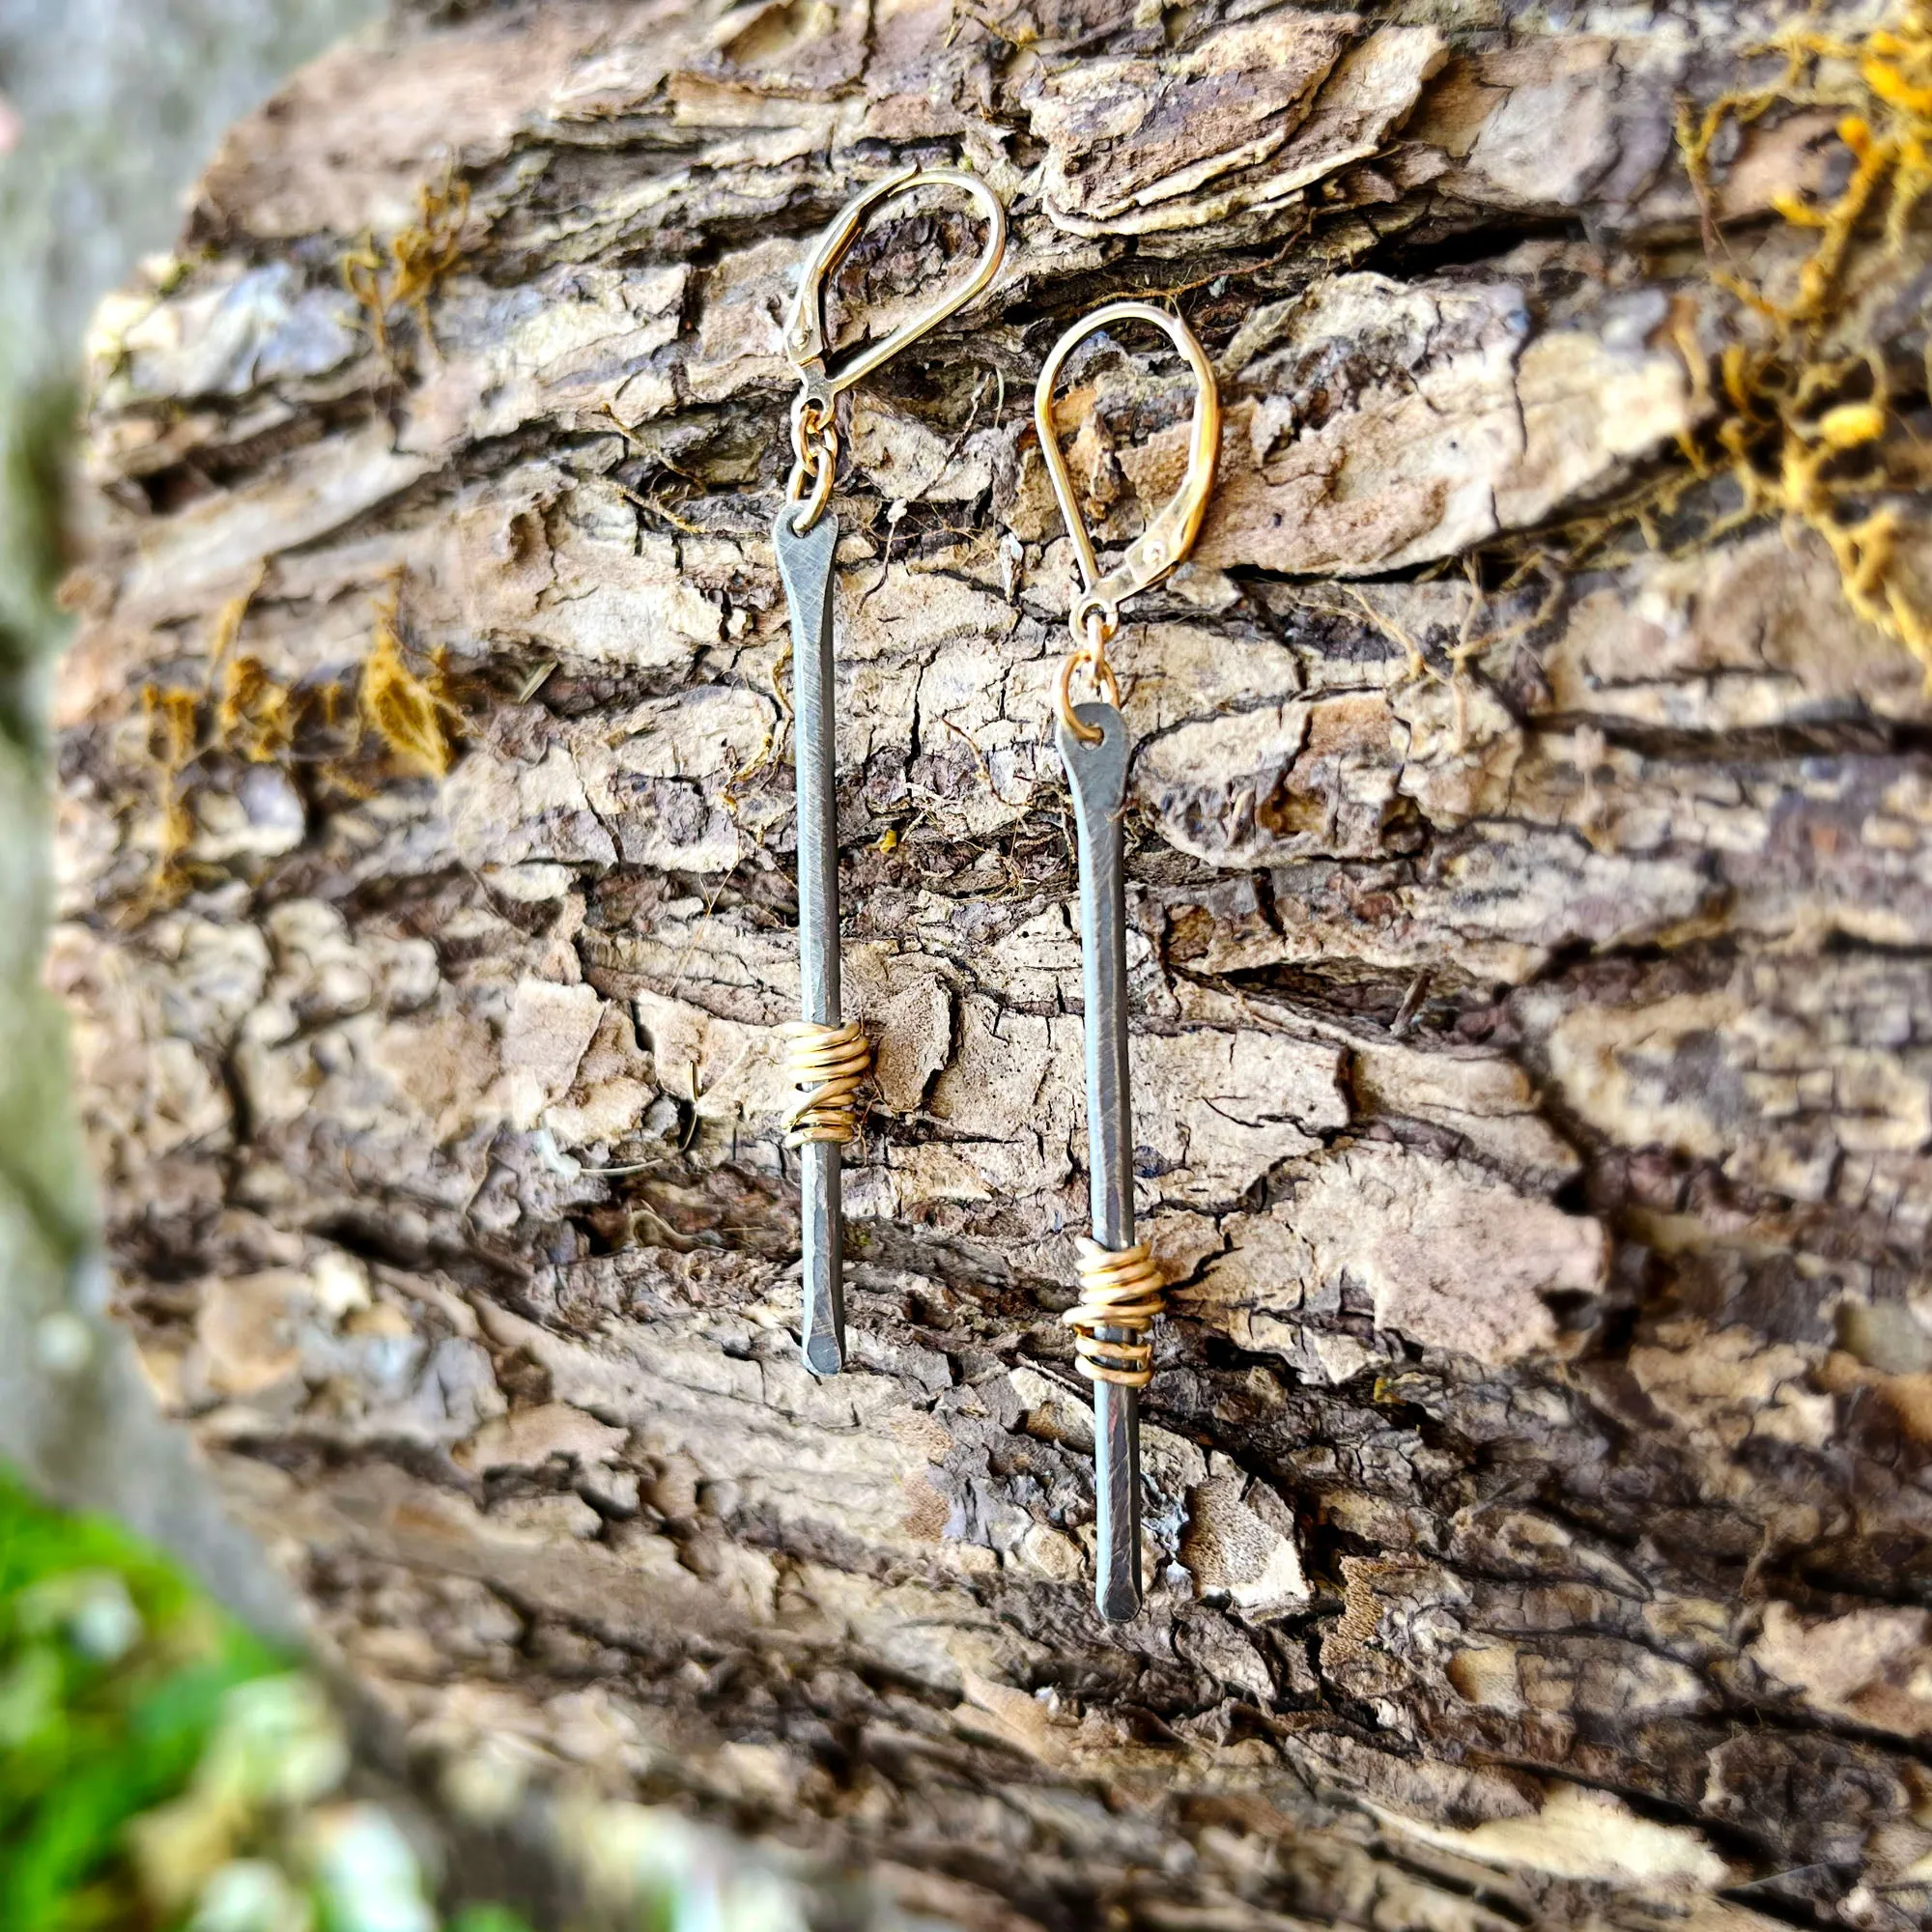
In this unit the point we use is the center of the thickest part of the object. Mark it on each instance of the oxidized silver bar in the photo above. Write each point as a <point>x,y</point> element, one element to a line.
<point>1098,775</point>
<point>805,564</point>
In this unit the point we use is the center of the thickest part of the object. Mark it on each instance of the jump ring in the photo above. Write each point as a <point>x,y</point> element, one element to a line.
<point>817,462</point>
<point>811,426</point>
<point>1095,622</point>
<point>1106,687</point>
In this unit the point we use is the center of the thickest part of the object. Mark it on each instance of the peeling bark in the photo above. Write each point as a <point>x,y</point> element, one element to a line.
<point>1533,1024</point>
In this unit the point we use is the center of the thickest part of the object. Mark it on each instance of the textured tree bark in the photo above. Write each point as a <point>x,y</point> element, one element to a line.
<point>1533,1025</point>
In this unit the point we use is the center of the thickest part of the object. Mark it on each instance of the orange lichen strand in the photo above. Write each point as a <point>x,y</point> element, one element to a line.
<point>173,726</point>
<point>174,732</point>
<point>1892,86</point>
<point>1850,425</point>
<point>253,716</point>
<point>406,710</point>
<point>395,711</point>
<point>400,278</point>
<point>229,619</point>
<point>1805,429</point>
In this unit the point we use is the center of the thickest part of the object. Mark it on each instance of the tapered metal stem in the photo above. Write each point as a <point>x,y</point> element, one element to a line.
<point>805,564</point>
<point>1098,775</point>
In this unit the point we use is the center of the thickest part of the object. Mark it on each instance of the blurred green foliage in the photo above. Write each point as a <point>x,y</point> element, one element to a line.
<point>162,1769</point>
<point>32,484</point>
<point>112,1676</point>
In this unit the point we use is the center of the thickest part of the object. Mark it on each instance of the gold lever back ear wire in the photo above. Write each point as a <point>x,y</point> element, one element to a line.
<point>1096,616</point>
<point>1119,1284</point>
<point>827,1058</point>
<point>814,438</point>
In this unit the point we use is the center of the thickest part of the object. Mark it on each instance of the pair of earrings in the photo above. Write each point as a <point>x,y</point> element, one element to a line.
<point>827,1057</point>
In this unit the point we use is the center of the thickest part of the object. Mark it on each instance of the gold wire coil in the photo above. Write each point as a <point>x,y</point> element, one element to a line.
<point>1120,1289</point>
<point>827,1064</point>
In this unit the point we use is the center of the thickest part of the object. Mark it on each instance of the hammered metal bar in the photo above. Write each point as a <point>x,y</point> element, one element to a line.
<point>1098,775</point>
<point>805,564</point>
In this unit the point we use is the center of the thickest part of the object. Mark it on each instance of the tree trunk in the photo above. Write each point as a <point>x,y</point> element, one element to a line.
<point>1531,921</point>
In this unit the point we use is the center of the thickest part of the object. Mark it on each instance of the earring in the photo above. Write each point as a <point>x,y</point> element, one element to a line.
<point>827,1059</point>
<point>1119,1285</point>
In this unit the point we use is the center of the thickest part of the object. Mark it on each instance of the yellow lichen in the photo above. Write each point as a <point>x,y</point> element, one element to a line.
<point>406,709</point>
<point>1802,422</point>
<point>172,737</point>
<point>400,279</point>
<point>252,713</point>
<point>396,711</point>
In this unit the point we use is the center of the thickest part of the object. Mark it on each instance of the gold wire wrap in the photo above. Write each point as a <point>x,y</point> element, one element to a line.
<point>1121,1289</point>
<point>827,1064</point>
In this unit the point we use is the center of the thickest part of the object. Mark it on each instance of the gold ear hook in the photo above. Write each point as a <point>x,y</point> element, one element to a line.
<point>804,332</point>
<point>1169,535</point>
<point>814,436</point>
